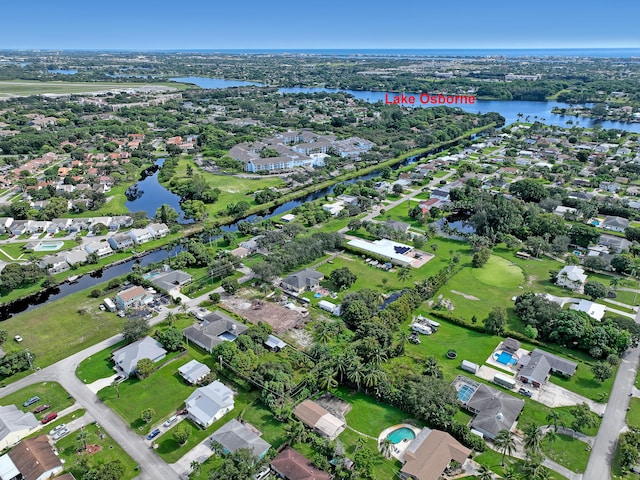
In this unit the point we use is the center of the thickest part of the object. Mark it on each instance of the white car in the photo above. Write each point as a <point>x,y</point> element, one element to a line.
<point>17,338</point>
<point>57,429</point>
<point>170,420</point>
<point>61,434</point>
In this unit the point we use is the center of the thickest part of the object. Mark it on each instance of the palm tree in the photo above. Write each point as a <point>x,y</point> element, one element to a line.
<point>171,317</point>
<point>431,367</point>
<point>510,473</point>
<point>195,467</point>
<point>116,386</point>
<point>551,437</point>
<point>355,372</point>
<point>505,443</point>
<point>404,274</point>
<point>296,431</point>
<point>385,447</point>
<point>532,439</point>
<point>554,420</point>
<point>372,376</point>
<point>82,438</point>
<point>484,473</point>
<point>216,447</point>
<point>327,379</point>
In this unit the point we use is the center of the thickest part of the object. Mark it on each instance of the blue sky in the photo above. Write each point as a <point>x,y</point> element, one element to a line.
<point>222,24</point>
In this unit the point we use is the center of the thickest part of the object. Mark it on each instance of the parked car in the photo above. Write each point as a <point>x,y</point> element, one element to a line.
<point>41,408</point>
<point>525,392</point>
<point>153,434</point>
<point>170,420</point>
<point>57,428</point>
<point>31,401</point>
<point>17,338</point>
<point>262,473</point>
<point>49,417</point>
<point>61,433</point>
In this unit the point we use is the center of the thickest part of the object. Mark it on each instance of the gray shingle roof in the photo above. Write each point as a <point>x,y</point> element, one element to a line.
<point>14,420</point>
<point>495,410</point>
<point>127,357</point>
<point>234,435</point>
<point>304,278</point>
<point>541,363</point>
<point>170,280</point>
<point>214,324</point>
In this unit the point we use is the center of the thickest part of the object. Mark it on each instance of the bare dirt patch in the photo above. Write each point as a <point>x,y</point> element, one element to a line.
<point>280,318</point>
<point>93,448</point>
<point>466,296</point>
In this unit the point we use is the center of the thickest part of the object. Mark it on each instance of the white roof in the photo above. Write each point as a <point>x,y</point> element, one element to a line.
<point>206,402</point>
<point>193,371</point>
<point>385,248</point>
<point>594,310</point>
<point>574,273</point>
<point>8,468</point>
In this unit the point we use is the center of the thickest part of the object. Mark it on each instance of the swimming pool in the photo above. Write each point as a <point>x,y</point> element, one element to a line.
<point>400,434</point>
<point>506,358</point>
<point>48,246</point>
<point>465,392</point>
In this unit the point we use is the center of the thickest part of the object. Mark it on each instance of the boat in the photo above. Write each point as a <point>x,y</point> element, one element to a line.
<point>73,279</point>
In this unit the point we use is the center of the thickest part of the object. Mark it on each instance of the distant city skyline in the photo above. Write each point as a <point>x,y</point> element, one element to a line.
<point>332,24</point>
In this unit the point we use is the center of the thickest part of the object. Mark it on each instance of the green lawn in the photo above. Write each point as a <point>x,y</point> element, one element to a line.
<point>568,452</point>
<point>99,365</point>
<point>171,451</point>
<point>493,460</point>
<point>111,451</point>
<point>499,272</point>
<point>633,415</point>
<point>50,393</point>
<point>57,330</point>
<point>136,394</point>
<point>536,413</point>
<point>400,213</point>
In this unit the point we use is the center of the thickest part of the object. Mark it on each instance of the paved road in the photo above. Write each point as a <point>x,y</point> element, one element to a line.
<point>63,372</point>
<point>604,448</point>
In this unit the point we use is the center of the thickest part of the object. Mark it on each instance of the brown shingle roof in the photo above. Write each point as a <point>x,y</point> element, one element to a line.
<point>295,466</point>
<point>429,460</point>
<point>33,457</point>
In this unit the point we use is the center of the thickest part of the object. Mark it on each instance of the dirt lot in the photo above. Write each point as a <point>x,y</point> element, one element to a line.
<point>280,318</point>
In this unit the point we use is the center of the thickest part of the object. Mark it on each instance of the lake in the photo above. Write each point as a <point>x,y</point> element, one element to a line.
<point>509,109</point>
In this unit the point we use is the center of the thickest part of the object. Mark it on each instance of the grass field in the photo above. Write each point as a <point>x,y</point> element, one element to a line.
<point>57,330</point>
<point>633,415</point>
<point>400,213</point>
<point>493,460</point>
<point>22,88</point>
<point>499,272</point>
<point>569,452</point>
<point>99,365</point>
<point>536,414</point>
<point>50,393</point>
<point>111,451</point>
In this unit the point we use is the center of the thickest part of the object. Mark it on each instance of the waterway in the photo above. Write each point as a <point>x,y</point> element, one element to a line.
<point>85,282</point>
<point>509,109</point>
<point>152,195</point>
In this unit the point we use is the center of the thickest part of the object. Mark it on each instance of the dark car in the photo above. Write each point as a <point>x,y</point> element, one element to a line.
<point>525,392</point>
<point>31,401</point>
<point>49,417</point>
<point>41,408</point>
<point>153,434</point>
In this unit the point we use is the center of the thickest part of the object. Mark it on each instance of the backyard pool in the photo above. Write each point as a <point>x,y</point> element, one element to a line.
<point>465,392</point>
<point>48,246</point>
<point>400,434</point>
<point>506,358</point>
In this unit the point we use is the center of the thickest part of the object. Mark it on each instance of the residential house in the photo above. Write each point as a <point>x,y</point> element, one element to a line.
<point>158,230</point>
<point>5,223</point>
<point>348,199</point>
<point>493,410</point>
<point>208,404</point>
<point>319,419</point>
<point>170,280</point>
<point>31,459</point>
<point>611,187</point>
<point>121,241</point>
<point>216,327</point>
<point>430,453</point>
<point>140,235</point>
<point>291,465</point>
<point>235,435</point>
<point>536,367</point>
<point>274,344</point>
<point>194,371</point>
<point>15,425</point>
<point>398,226</point>
<point>594,310</point>
<point>76,256</point>
<point>614,244</point>
<point>54,263</point>
<point>615,224</point>
<point>126,358</point>
<point>300,281</point>
<point>132,297</point>
<point>572,277</point>
<point>333,208</point>
<point>101,249</point>
<point>252,244</point>
<point>441,195</point>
